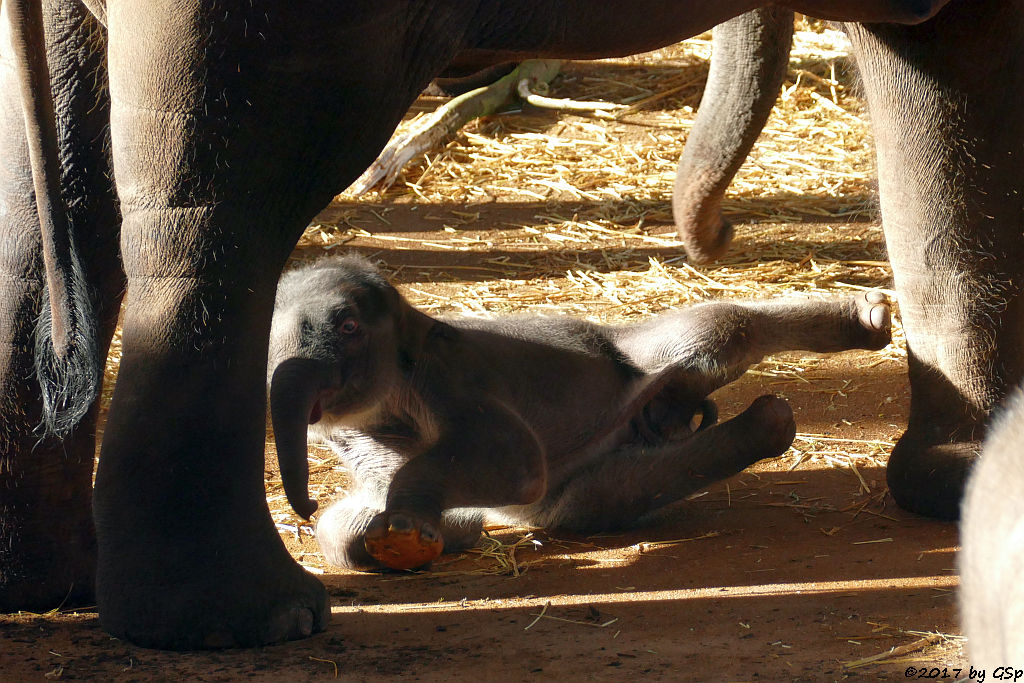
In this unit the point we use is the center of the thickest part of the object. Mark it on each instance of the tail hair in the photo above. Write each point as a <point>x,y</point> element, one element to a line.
<point>68,370</point>
<point>69,382</point>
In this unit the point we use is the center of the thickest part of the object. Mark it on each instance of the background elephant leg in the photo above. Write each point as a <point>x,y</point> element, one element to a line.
<point>47,543</point>
<point>619,488</point>
<point>950,165</point>
<point>749,59</point>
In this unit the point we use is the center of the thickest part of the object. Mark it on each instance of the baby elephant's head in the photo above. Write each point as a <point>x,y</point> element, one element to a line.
<point>340,336</point>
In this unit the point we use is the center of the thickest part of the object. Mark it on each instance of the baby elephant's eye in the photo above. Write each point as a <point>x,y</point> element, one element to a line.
<point>349,326</point>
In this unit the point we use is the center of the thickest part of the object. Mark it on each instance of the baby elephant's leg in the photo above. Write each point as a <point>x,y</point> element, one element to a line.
<point>461,528</point>
<point>720,340</point>
<point>861,321</point>
<point>341,532</point>
<point>486,457</point>
<point>617,490</point>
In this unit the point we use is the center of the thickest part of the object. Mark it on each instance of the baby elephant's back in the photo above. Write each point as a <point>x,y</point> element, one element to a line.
<point>564,376</point>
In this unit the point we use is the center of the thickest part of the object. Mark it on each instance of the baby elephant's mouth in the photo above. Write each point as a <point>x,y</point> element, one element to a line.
<point>328,400</point>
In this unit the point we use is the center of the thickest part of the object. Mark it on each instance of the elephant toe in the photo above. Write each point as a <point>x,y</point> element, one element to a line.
<point>874,320</point>
<point>292,623</point>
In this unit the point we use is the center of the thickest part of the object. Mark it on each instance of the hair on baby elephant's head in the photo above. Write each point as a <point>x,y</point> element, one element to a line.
<point>341,337</point>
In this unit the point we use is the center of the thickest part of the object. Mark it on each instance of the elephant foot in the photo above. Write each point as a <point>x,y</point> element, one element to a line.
<point>63,579</point>
<point>52,576</point>
<point>252,602</point>
<point>399,540</point>
<point>928,479</point>
<point>873,330</point>
<point>705,239</point>
<point>341,532</point>
<point>47,538</point>
<point>764,430</point>
<point>770,417</point>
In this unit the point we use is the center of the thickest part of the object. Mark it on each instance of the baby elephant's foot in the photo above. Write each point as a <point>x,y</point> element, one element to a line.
<point>769,419</point>
<point>399,540</point>
<point>874,317</point>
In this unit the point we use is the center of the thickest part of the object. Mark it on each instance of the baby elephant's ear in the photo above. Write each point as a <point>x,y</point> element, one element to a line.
<point>411,326</point>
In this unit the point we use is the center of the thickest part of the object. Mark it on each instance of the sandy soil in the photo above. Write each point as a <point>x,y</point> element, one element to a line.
<point>774,575</point>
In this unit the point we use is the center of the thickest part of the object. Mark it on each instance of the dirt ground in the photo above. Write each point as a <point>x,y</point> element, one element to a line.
<point>782,573</point>
<point>799,569</point>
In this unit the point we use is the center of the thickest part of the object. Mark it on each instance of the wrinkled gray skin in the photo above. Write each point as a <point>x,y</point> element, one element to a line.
<point>950,165</point>
<point>201,140</point>
<point>991,558</point>
<point>950,168</point>
<point>749,60</point>
<point>555,421</point>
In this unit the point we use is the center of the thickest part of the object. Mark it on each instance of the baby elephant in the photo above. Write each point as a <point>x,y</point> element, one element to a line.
<point>553,422</point>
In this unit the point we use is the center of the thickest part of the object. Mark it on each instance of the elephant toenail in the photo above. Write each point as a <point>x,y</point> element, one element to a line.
<point>879,317</point>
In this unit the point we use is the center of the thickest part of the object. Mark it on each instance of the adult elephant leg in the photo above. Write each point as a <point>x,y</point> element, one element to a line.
<point>950,164</point>
<point>228,134</point>
<point>188,554</point>
<point>47,544</point>
<point>749,58</point>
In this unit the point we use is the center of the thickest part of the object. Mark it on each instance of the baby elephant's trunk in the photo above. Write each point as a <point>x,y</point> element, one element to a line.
<point>294,391</point>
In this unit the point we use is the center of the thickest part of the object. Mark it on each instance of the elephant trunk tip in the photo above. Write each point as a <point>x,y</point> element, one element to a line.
<point>707,243</point>
<point>302,504</point>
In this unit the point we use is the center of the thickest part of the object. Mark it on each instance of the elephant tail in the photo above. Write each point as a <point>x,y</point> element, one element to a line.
<point>68,366</point>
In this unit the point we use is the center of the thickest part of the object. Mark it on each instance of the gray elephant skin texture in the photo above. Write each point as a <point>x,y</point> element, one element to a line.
<point>991,559</point>
<point>555,421</point>
<point>196,142</point>
<point>951,209</point>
